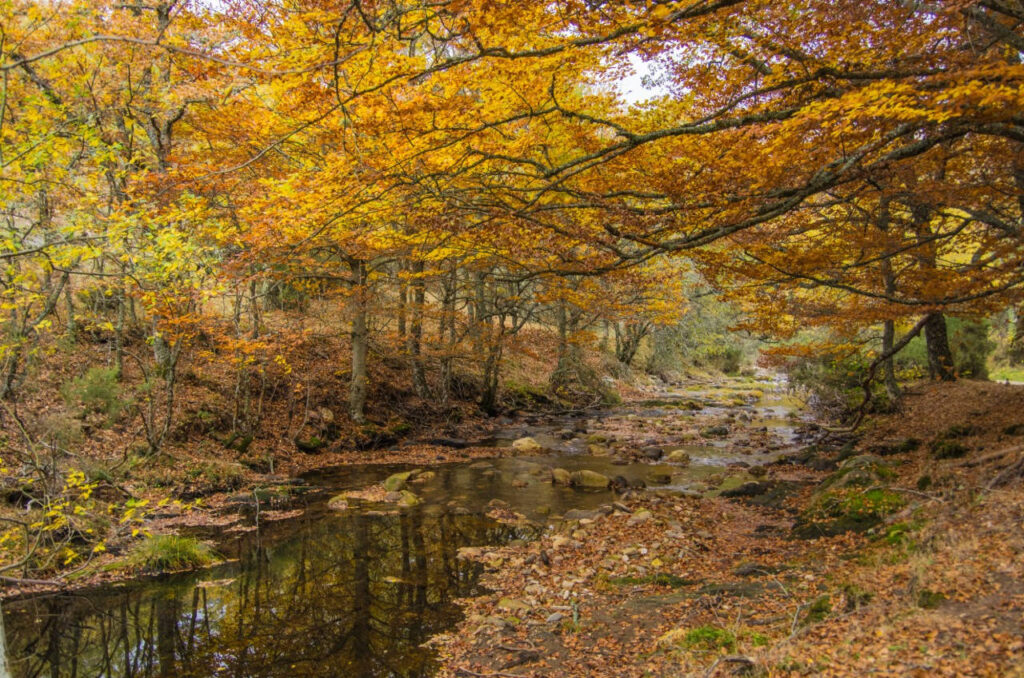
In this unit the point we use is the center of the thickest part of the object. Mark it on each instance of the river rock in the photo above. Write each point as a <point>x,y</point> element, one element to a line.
<point>526,444</point>
<point>678,457</point>
<point>559,476</point>
<point>397,481</point>
<point>659,477</point>
<point>423,477</point>
<point>715,431</point>
<point>591,480</point>
<point>408,499</point>
<point>582,514</point>
<point>597,450</point>
<point>748,489</point>
<point>640,517</point>
<point>652,452</point>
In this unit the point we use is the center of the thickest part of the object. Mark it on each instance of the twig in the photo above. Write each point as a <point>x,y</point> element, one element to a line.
<point>729,659</point>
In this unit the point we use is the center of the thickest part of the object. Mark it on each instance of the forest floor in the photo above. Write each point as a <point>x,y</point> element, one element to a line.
<point>670,585</point>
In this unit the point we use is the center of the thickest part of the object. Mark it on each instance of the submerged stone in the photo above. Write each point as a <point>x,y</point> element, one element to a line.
<point>396,481</point>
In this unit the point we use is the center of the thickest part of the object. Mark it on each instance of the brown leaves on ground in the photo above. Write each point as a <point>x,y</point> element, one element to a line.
<point>679,584</point>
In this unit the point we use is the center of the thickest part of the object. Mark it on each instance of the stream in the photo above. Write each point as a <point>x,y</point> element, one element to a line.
<point>358,592</point>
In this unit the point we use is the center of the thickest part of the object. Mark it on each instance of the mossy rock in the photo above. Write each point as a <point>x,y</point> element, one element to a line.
<point>311,445</point>
<point>590,480</point>
<point>559,476</point>
<point>408,499</point>
<point>864,470</point>
<point>396,481</point>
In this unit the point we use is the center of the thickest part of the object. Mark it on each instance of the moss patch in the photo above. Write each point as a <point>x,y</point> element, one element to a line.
<point>169,552</point>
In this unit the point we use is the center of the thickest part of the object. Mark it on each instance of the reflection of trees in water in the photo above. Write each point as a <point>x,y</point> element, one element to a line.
<point>344,597</point>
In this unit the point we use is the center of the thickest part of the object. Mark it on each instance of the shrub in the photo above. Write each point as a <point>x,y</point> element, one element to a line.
<point>169,552</point>
<point>947,449</point>
<point>95,391</point>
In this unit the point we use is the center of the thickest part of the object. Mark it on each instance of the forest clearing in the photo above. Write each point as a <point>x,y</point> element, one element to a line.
<point>471,338</point>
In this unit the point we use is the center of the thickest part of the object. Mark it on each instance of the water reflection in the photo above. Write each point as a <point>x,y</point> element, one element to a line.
<point>344,596</point>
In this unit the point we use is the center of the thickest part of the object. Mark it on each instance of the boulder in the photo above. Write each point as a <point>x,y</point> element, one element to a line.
<point>590,480</point>
<point>397,481</point>
<point>408,499</point>
<point>559,476</point>
<point>526,444</point>
<point>652,452</point>
<point>641,516</point>
<point>748,489</point>
<point>659,478</point>
<point>678,457</point>
<point>423,477</point>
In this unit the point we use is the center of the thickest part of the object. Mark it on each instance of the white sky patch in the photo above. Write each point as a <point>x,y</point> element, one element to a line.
<point>642,84</point>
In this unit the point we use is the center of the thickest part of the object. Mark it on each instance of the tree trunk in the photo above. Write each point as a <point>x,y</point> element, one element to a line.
<point>940,357</point>
<point>414,343</point>
<point>360,341</point>
<point>447,335</point>
<point>892,388</point>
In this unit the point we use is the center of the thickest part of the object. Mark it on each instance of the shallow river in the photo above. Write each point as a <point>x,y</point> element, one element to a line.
<point>357,593</point>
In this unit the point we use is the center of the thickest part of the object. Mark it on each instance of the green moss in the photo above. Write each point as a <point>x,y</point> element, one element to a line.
<point>818,609</point>
<point>709,637</point>
<point>930,600</point>
<point>169,552</point>
<point>947,449</point>
<point>847,510</point>
<point>756,639</point>
<point>856,596</point>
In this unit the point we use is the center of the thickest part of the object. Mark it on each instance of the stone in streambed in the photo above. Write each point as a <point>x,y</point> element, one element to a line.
<point>559,476</point>
<point>526,444</point>
<point>590,480</point>
<point>407,499</point>
<point>653,453</point>
<point>640,517</point>
<point>397,481</point>
<point>678,457</point>
<point>747,489</point>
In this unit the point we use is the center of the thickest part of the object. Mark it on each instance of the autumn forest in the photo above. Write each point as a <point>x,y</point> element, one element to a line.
<point>736,269</point>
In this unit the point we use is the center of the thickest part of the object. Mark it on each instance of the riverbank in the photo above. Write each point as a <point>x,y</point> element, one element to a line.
<point>211,492</point>
<point>932,582</point>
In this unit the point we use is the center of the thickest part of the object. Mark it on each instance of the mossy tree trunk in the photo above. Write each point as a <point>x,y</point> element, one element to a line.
<point>940,356</point>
